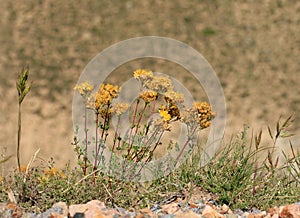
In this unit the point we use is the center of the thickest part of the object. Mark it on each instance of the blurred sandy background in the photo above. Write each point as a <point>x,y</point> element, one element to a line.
<point>253,46</point>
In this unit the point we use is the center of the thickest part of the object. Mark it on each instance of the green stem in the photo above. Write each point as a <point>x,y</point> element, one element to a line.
<point>185,144</point>
<point>137,128</point>
<point>148,158</point>
<point>133,121</point>
<point>116,135</point>
<point>155,146</point>
<point>86,142</point>
<point>19,137</point>
<point>96,140</point>
<point>147,146</point>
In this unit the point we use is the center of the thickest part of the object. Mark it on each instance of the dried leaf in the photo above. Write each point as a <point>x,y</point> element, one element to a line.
<point>266,166</point>
<point>5,159</point>
<point>277,129</point>
<point>270,158</point>
<point>11,197</point>
<point>292,149</point>
<point>276,163</point>
<point>258,139</point>
<point>270,133</point>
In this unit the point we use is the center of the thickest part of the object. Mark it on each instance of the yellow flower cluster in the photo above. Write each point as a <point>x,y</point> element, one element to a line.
<point>52,172</point>
<point>172,110</point>
<point>160,84</point>
<point>142,74</point>
<point>148,96</point>
<point>164,123</point>
<point>205,114</point>
<point>201,113</point>
<point>105,95</point>
<point>84,88</point>
<point>120,108</point>
<point>173,97</point>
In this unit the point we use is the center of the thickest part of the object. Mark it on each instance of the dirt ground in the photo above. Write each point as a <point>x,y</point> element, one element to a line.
<point>253,46</point>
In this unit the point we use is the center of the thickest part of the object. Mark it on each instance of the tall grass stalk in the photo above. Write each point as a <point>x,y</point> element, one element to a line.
<point>23,89</point>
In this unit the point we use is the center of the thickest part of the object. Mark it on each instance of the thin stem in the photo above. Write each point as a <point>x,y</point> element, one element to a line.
<point>115,139</point>
<point>150,155</point>
<point>19,137</point>
<point>119,146</point>
<point>139,121</point>
<point>150,118</point>
<point>155,146</point>
<point>86,142</point>
<point>147,145</point>
<point>116,134</point>
<point>104,130</point>
<point>185,144</point>
<point>106,121</point>
<point>137,127</point>
<point>133,121</point>
<point>96,140</point>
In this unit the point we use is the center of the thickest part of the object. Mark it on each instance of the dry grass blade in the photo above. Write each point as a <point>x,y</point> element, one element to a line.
<point>277,129</point>
<point>276,162</point>
<point>270,159</point>
<point>84,178</point>
<point>11,196</point>
<point>5,159</point>
<point>288,122</point>
<point>30,162</point>
<point>258,139</point>
<point>270,133</point>
<point>292,149</point>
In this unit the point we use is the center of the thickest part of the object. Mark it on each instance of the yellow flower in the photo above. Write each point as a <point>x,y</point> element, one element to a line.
<point>1,179</point>
<point>142,74</point>
<point>23,168</point>
<point>102,98</point>
<point>120,108</point>
<point>113,91</point>
<point>84,88</point>
<point>105,95</point>
<point>51,172</point>
<point>148,96</point>
<point>172,110</point>
<point>165,115</point>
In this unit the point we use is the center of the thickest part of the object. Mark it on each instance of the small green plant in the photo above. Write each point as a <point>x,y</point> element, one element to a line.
<point>208,31</point>
<point>23,89</point>
<point>156,109</point>
<point>245,176</point>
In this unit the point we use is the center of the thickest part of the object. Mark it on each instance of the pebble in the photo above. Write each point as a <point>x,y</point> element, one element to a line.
<point>175,209</point>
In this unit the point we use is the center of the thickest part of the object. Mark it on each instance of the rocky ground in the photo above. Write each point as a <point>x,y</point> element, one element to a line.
<point>175,206</point>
